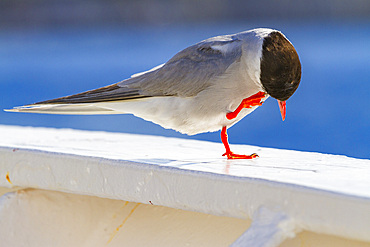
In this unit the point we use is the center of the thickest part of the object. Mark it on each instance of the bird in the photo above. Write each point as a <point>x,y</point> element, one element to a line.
<point>206,87</point>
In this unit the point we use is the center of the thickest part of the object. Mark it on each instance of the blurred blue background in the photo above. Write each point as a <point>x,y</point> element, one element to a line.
<point>55,48</point>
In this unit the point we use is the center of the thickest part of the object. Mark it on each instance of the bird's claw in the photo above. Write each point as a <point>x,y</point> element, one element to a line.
<point>232,156</point>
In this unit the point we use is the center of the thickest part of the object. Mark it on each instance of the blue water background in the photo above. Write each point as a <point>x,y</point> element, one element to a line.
<point>329,112</point>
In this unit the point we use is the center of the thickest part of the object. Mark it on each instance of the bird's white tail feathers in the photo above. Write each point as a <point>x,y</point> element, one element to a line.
<point>70,109</point>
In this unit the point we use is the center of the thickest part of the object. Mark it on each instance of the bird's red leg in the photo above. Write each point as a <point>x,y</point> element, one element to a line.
<point>254,100</point>
<point>229,154</point>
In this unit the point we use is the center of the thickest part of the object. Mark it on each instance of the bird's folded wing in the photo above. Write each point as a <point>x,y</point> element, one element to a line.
<point>186,74</point>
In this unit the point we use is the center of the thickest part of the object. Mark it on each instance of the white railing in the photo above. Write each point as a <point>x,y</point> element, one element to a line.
<point>287,197</point>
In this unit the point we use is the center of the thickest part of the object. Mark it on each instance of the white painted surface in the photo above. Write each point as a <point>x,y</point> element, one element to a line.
<point>41,218</point>
<point>321,193</point>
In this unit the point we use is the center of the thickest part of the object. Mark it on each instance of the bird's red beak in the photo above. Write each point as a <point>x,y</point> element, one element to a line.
<point>282,106</point>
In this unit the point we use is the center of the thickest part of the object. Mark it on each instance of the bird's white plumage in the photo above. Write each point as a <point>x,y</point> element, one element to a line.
<point>189,99</point>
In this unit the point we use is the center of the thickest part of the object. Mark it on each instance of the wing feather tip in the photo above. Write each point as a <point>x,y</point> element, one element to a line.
<point>15,109</point>
<point>24,108</point>
<point>9,110</point>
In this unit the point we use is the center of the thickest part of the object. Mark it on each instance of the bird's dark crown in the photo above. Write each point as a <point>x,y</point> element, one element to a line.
<point>280,67</point>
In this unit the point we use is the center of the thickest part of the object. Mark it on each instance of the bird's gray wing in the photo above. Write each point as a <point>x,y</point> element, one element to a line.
<point>186,74</point>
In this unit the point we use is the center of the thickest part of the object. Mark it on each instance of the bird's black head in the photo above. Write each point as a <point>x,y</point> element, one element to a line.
<point>280,67</point>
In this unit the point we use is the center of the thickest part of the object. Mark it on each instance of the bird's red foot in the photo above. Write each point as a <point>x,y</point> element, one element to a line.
<point>254,100</point>
<point>232,156</point>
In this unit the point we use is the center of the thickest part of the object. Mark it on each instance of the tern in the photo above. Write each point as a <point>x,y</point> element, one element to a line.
<point>206,87</point>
